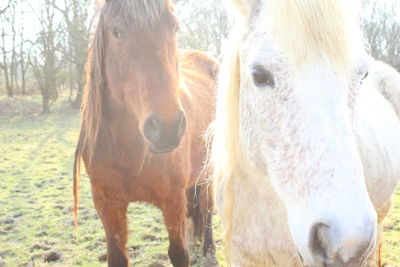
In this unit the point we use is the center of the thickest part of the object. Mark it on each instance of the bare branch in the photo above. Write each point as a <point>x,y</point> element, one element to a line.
<point>4,9</point>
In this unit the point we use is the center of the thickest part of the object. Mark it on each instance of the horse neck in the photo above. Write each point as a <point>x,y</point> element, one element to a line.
<point>119,136</point>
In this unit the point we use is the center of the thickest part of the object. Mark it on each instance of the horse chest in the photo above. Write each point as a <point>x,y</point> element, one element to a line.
<point>148,180</point>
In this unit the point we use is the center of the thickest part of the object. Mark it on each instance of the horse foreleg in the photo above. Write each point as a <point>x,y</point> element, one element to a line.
<point>380,254</point>
<point>375,260</point>
<point>207,202</point>
<point>379,244</point>
<point>174,212</point>
<point>113,217</point>
<point>208,208</point>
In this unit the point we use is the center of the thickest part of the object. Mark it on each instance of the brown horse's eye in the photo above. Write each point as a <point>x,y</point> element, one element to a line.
<point>116,33</point>
<point>262,77</point>
<point>177,28</point>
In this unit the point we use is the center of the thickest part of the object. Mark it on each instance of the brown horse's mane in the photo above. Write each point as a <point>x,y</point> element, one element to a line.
<point>138,14</point>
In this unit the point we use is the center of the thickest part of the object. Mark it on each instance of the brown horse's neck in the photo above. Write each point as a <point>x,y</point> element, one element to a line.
<point>119,137</point>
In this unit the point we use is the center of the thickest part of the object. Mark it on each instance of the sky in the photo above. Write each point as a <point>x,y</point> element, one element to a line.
<point>29,10</point>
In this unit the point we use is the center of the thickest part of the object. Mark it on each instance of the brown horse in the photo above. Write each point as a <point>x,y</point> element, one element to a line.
<point>145,110</point>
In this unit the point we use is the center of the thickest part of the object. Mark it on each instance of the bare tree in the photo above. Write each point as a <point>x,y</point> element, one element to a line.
<point>8,48</point>
<point>204,24</point>
<point>4,8</point>
<point>382,29</point>
<point>5,65</point>
<point>75,13</point>
<point>22,62</point>
<point>13,63</point>
<point>45,63</point>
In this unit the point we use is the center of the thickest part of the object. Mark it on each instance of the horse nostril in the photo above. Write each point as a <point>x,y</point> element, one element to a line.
<point>152,129</point>
<point>319,242</point>
<point>181,125</point>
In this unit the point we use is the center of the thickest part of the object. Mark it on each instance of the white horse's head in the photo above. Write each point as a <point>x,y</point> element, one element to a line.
<point>287,101</point>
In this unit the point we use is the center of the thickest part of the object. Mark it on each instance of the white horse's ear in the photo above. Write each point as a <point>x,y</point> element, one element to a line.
<point>244,7</point>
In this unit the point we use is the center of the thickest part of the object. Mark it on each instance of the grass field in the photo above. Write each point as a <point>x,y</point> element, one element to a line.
<point>36,228</point>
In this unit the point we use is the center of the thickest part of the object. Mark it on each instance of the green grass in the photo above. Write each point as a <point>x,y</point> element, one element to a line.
<point>36,155</point>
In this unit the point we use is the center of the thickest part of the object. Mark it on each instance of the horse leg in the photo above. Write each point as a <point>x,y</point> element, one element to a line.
<point>379,245</point>
<point>194,221</point>
<point>374,260</point>
<point>208,208</point>
<point>174,212</point>
<point>380,254</point>
<point>207,203</point>
<point>113,217</point>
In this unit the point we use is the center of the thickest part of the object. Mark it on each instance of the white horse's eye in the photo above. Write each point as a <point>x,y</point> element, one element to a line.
<point>262,77</point>
<point>365,76</point>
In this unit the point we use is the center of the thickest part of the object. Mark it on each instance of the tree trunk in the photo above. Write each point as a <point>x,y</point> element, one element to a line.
<point>45,102</point>
<point>78,98</point>
<point>6,77</point>
<point>23,72</point>
<point>23,66</point>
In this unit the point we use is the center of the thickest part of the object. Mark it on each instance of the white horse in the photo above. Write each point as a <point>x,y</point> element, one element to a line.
<point>306,143</point>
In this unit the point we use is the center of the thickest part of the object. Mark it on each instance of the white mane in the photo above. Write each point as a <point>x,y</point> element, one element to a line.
<point>306,28</point>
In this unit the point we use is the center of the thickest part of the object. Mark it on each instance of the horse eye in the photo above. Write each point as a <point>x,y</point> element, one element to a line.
<point>117,34</point>
<point>365,76</point>
<point>262,77</point>
<point>177,28</point>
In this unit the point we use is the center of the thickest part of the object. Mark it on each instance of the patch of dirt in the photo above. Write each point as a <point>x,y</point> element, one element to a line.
<point>3,232</point>
<point>103,257</point>
<point>210,259</point>
<point>163,257</point>
<point>149,237</point>
<point>135,247</point>
<point>9,228</point>
<point>134,251</point>
<point>9,220</point>
<point>6,253</point>
<point>36,257</point>
<point>40,246</point>
<point>27,106</point>
<point>14,106</point>
<point>52,256</point>
<point>18,214</point>
<point>59,207</point>
<point>156,229</point>
<point>87,238</point>
<point>42,233</point>
<point>157,264</point>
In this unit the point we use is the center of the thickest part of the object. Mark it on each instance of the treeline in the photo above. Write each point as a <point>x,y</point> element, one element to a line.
<point>50,59</point>
<point>382,29</point>
<point>44,43</point>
